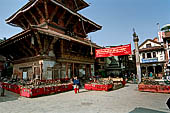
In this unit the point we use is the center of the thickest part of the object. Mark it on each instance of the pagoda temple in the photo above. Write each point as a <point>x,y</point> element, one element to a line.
<point>53,43</point>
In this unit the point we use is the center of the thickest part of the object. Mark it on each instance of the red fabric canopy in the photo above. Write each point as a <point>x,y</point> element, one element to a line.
<point>114,51</point>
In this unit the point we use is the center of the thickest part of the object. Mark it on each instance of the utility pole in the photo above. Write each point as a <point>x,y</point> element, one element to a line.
<point>136,40</point>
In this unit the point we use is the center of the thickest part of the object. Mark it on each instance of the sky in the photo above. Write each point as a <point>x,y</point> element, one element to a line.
<point>117,18</point>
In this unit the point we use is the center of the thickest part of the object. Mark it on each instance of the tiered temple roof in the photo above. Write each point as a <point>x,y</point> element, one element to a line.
<point>54,13</point>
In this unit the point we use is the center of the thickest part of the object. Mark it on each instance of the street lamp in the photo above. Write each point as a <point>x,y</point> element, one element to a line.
<point>136,40</point>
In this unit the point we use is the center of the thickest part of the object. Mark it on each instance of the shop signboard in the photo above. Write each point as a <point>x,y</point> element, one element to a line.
<point>114,51</point>
<point>149,60</point>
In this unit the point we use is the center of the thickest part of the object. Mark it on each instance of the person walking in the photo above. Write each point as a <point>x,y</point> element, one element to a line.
<point>76,84</point>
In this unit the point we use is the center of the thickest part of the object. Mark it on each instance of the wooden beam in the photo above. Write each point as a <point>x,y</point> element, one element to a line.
<point>52,44</point>
<point>80,28</point>
<point>62,15</point>
<point>86,28</point>
<point>35,19</point>
<point>27,49</point>
<point>46,43</point>
<point>66,69</point>
<point>86,71</point>
<point>29,23</point>
<point>9,53</point>
<point>75,25</point>
<point>73,70</point>
<point>53,13</point>
<point>27,20</point>
<point>68,21</point>
<point>18,47</point>
<point>46,9</point>
<point>22,23</point>
<point>62,46</point>
<point>39,42</point>
<point>90,70</point>
<point>39,12</point>
<point>32,46</point>
<point>13,51</point>
<point>22,50</point>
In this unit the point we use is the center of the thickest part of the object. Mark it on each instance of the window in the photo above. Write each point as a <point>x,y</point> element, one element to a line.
<point>154,54</point>
<point>149,55</point>
<point>143,55</point>
<point>148,45</point>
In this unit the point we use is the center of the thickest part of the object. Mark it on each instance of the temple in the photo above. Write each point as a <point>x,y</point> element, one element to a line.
<point>53,43</point>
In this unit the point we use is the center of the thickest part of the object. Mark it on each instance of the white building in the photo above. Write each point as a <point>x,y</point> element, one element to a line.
<point>166,39</point>
<point>152,57</point>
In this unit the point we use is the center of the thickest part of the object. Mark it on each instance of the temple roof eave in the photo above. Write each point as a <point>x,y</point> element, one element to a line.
<point>32,3</point>
<point>26,7</point>
<point>85,5</point>
<point>66,37</point>
<point>15,37</point>
<point>47,32</point>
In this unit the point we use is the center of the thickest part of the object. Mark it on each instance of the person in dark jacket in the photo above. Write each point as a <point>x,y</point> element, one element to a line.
<point>76,84</point>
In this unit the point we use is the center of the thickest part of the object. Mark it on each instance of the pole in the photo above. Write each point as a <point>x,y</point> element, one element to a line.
<point>136,39</point>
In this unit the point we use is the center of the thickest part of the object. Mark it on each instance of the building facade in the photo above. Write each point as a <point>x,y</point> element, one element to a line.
<point>152,58</point>
<point>166,40</point>
<point>118,66</point>
<point>53,43</point>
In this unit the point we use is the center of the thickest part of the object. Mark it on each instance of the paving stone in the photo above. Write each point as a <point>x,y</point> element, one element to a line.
<point>124,100</point>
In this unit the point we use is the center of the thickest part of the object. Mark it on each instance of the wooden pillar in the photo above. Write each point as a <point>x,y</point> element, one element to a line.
<point>41,70</point>
<point>66,70</point>
<point>154,69</point>
<point>62,47</point>
<point>146,71</point>
<point>86,70</point>
<point>73,69</point>
<point>90,69</point>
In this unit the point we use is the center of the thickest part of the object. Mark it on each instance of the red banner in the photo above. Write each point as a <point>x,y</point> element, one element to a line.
<point>114,51</point>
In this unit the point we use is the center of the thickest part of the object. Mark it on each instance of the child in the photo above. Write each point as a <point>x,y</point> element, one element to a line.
<point>76,84</point>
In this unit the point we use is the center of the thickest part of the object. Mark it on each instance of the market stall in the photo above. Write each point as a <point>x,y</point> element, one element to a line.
<point>38,88</point>
<point>155,85</point>
<point>105,84</point>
